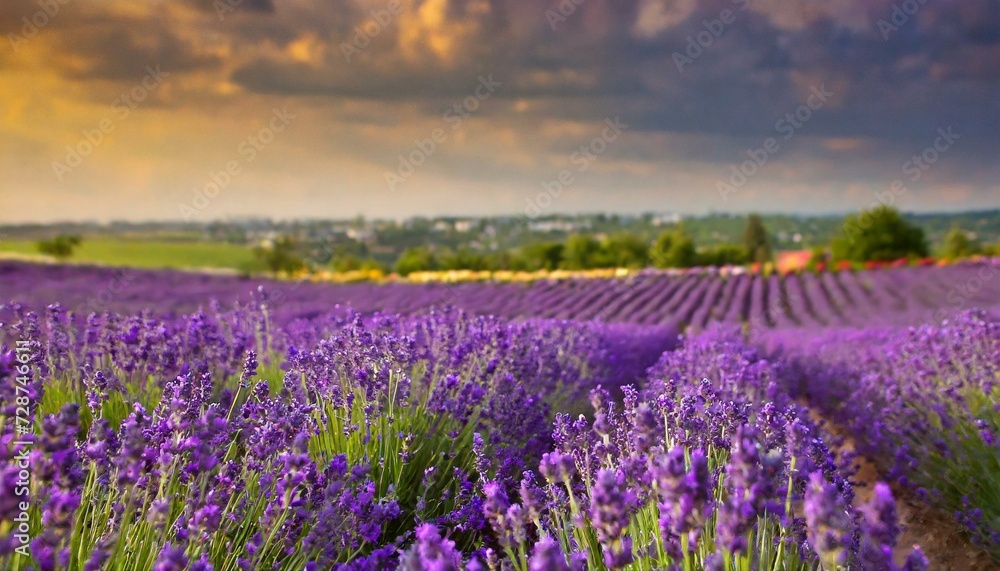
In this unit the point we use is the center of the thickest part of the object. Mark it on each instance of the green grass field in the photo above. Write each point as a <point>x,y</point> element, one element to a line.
<point>139,253</point>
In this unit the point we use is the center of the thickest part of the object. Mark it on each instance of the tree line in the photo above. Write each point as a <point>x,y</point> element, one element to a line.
<point>877,235</point>
<point>673,248</point>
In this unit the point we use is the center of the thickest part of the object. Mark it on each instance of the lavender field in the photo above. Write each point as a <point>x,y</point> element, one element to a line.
<point>695,298</point>
<point>170,421</point>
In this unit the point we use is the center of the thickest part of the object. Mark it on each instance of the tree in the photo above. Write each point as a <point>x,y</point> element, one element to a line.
<point>419,259</point>
<point>957,244</point>
<point>541,256</point>
<point>582,252</point>
<point>658,254</point>
<point>723,255</point>
<point>674,249</point>
<point>463,258</point>
<point>61,247</point>
<point>625,250</point>
<point>280,256</point>
<point>346,263</point>
<point>351,263</point>
<point>881,235</point>
<point>756,241</point>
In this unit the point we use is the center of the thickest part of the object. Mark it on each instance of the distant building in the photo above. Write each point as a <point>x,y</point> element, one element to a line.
<point>556,226</point>
<point>666,219</point>
<point>361,235</point>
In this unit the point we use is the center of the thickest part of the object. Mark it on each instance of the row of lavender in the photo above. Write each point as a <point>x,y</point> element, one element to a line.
<point>218,441</point>
<point>896,296</point>
<point>923,402</point>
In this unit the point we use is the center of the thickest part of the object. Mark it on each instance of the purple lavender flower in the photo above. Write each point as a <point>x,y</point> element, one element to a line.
<point>609,517</point>
<point>916,561</point>
<point>96,560</point>
<point>496,503</point>
<point>879,528</point>
<point>557,467</point>
<point>532,497</point>
<point>507,520</point>
<point>249,369</point>
<point>547,556</point>
<point>431,552</point>
<point>685,496</point>
<point>202,564</point>
<point>880,515</point>
<point>171,558</point>
<point>745,481</point>
<point>44,553</point>
<point>827,520</point>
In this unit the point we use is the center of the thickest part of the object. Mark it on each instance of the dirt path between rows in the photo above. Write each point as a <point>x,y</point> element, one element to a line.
<point>937,533</point>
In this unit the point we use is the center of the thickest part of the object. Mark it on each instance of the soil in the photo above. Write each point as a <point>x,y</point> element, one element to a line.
<point>937,533</point>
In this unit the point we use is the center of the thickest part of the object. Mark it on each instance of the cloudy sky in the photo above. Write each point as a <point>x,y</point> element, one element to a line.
<point>317,108</point>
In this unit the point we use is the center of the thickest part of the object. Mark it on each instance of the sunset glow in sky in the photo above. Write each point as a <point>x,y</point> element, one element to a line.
<point>390,108</point>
